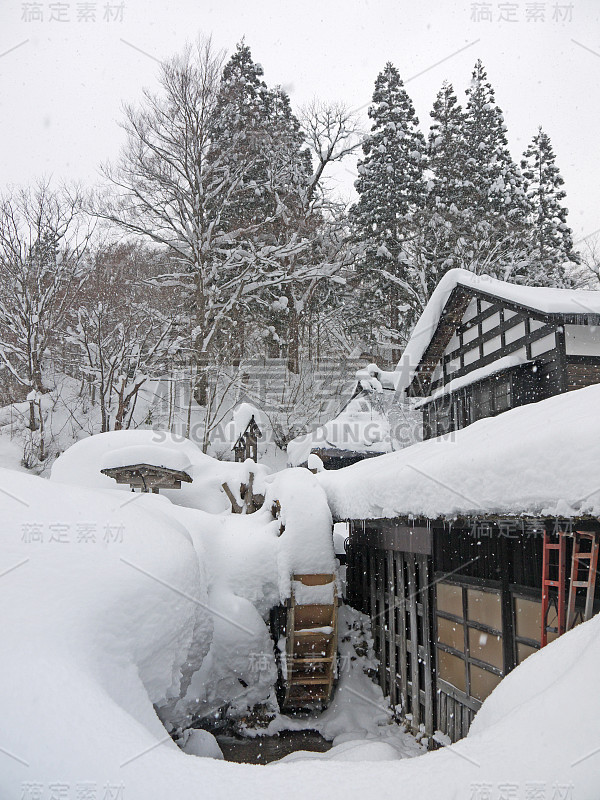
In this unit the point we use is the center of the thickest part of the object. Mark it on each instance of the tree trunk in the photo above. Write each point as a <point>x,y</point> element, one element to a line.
<point>32,420</point>
<point>120,415</point>
<point>396,353</point>
<point>293,359</point>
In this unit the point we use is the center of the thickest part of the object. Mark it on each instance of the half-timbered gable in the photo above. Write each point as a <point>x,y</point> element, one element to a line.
<point>484,346</point>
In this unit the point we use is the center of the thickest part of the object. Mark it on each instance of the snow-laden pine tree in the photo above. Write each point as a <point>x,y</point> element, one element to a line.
<point>447,210</point>
<point>240,128</point>
<point>551,249</point>
<point>495,238</point>
<point>391,188</point>
<point>274,196</point>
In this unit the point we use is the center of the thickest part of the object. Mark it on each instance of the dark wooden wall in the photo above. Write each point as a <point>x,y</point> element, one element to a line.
<point>394,589</point>
<point>396,574</point>
<point>582,372</point>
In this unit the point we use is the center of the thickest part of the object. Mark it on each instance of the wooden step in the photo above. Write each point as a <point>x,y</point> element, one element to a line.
<point>314,616</point>
<point>320,631</point>
<point>311,646</point>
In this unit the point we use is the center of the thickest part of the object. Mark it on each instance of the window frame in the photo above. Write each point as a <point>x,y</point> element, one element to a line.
<point>491,587</point>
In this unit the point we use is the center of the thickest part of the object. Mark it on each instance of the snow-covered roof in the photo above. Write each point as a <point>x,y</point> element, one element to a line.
<point>540,459</point>
<point>536,298</point>
<point>154,455</point>
<point>242,416</point>
<point>361,427</point>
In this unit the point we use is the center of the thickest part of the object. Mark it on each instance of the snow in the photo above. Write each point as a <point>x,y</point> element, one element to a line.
<point>80,465</point>
<point>96,636</point>
<point>361,427</point>
<point>506,362</point>
<point>539,459</point>
<point>542,299</point>
<point>242,415</point>
<point>320,595</point>
<point>314,463</point>
<point>303,548</point>
<point>153,455</point>
<point>201,743</point>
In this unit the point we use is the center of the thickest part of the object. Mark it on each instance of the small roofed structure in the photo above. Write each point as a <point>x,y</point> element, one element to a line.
<point>246,445</point>
<point>148,468</point>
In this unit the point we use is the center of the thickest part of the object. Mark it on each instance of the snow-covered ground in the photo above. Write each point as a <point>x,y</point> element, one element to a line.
<point>126,616</point>
<point>96,632</point>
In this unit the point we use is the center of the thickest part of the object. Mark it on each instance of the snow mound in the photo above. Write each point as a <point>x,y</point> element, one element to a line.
<point>552,449</point>
<point>201,743</point>
<point>80,465</point>
<point>98,632</point>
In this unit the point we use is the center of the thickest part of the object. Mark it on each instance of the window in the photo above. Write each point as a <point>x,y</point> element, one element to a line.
<point>502,393</point>
<point>483,400</point>
<point>452,366</point>
<point>443,417</point>
<point>527,624</point>
<point>471,356</point>
<point>582,340</point>
<point>492,345</point>
<point>516,332</point>
<point>470,652</point>
<point>470,334</point>
<point>543,345</point>
<point>490,322</point>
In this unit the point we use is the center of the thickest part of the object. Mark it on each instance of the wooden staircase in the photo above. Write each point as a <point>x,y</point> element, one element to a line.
<point>311,642</point>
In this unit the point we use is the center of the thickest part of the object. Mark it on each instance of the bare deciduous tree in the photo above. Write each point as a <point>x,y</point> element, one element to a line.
<point>44,235</point>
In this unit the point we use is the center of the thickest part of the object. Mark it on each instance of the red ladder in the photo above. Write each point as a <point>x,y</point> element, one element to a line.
<point>557,583</point>
<point>580,559</point>
<point>588,583</point>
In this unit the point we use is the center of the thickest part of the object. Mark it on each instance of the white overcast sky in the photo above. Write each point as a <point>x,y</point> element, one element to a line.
<point>62,83</point>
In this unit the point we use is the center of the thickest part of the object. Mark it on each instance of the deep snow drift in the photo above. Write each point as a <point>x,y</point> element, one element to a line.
<point>552,447</point>
<point>112,602</point>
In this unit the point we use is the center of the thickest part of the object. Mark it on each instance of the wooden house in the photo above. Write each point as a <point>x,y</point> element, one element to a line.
<point>485,346</point>
<point>472,550</point>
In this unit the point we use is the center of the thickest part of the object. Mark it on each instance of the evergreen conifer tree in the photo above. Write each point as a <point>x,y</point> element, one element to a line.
<point>446,212</point>
<point>494,240</point>
<point>391,188</point>
<point>551,237</point>
<point>240,128</point>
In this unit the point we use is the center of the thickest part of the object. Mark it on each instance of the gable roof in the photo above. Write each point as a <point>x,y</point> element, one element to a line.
<point>450,299</point>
